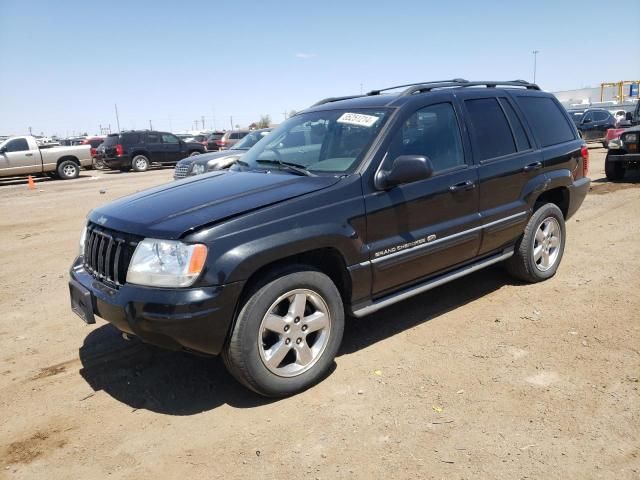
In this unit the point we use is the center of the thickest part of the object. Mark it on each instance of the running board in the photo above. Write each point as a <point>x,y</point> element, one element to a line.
<point>433,283</point>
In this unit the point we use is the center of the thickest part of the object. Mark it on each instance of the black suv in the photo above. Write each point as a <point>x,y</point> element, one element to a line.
<point>138,149</point>
<point>346,208</point>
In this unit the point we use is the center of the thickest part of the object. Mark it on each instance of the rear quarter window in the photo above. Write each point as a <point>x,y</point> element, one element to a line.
<point>130,138</point>
<point>490,129</point>
<point>547,120</point>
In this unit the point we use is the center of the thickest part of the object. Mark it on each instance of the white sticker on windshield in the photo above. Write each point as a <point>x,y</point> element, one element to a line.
<point>357,119</point>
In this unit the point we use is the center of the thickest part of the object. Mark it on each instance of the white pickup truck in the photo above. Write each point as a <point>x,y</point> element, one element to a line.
<point>23,156</point>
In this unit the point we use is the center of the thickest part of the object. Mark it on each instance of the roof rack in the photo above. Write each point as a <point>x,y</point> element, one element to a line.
<point>428,86</point>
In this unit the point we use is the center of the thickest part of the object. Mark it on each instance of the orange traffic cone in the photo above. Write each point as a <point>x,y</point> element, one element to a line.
<point>32,184</point>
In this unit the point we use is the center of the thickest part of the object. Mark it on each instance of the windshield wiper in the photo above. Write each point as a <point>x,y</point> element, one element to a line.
<point>293,167</point>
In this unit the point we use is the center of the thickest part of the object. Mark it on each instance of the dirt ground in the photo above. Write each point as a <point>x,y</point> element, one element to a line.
<point>480,378</point>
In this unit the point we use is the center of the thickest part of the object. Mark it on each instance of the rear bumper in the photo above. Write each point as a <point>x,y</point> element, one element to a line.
<point>182,318</point>
<point>117,162</point>
<point>577,192</point>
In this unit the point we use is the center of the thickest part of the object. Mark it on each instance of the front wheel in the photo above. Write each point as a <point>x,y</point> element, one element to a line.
<point>613,170</point>
<point>68,170</point>
<point>539,250</point>
<point>287,333</point>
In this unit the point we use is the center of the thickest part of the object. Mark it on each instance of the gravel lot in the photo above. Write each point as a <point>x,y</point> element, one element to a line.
<point>481,378</point>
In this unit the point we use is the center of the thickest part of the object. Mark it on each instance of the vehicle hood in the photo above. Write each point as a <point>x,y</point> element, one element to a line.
<point>205,157</point>
<point>172,210</point>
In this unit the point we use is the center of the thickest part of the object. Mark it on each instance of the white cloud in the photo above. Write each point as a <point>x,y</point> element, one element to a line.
<point>305,55</point>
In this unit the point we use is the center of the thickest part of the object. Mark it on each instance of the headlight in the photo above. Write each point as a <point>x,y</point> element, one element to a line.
<point>166,263</point>
<point>197,169</point>
<point>630,138</point>
<point>83,238</point>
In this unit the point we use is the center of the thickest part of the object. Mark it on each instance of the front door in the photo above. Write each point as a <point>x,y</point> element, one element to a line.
<point>588,127</point>
<point>155,147</point>
<point>418,229</point>
<point>18,159</point>
<point>172,148</point>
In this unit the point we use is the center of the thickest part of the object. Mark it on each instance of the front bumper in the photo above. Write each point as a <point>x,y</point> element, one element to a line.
<point>628,158</point>
<point>181,318</point>
<point>577,193</point>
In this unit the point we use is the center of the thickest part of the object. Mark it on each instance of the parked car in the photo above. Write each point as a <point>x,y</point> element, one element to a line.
<point>623,154</point>
<point>212,146</point>
<point>138,149</point>
<point>593,123</point>
<point>218,160</point>
<point>201,139</point>
<point>230,138</point>
<point>95,142</point>
<point>348,207</point>
<point>23,156</point>
<point>612,139</point>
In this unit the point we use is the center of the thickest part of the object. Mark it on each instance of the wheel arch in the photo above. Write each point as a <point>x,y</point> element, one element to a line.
<point>67,157</point>
<point>559,196</point>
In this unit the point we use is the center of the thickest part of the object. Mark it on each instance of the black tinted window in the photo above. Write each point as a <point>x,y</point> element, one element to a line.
<point>234,136</point>
<point>17,145</point>
<point>130,138</point>
<point>600,116</point>
<point>522,142</point>
<point>490,129</point>
<point>546,119</point>
<point>168,138</point>
<point>111,140</point>
<point>153,138</point>
<point>432,132</point>
<point>94,142</point>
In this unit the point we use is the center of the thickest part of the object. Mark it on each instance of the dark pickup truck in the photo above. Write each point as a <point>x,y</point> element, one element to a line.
<point>138,149</point>
<point>346,208</point>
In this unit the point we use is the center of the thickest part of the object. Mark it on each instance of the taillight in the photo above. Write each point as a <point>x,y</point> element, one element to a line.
<point>94,151</point>
<point>584,152</point>
<point>119,150</point>
<point>221,143</point>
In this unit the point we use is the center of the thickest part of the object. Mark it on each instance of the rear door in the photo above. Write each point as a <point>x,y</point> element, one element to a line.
<point>18,158</point>
<point>418,229</point>
<point>507,161</point>
<point>601,122</point>
<point>588,127</point>
<point>172,148</point>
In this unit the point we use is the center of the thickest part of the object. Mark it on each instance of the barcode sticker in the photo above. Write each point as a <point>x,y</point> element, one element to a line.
<point>359,119</point>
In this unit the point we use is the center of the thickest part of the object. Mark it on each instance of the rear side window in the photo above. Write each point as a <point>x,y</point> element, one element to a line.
<point>546,119</point>
<point>490,129</point>
<point>522,142</point>
<point>153,138</point>
<point>600,116</point>
<point>130,138</point>
<point>234,136</point>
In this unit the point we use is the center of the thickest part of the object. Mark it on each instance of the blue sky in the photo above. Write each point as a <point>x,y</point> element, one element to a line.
<point>65,64</point>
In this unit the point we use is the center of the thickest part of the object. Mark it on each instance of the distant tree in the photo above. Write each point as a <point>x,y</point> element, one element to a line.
<point>237,125</point>
<point>265,121</point>
<point>292,113</point>
<point>85,134</point>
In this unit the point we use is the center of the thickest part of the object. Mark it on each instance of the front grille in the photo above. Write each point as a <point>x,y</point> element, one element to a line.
<point>107,254</point>
<point>181,171</point>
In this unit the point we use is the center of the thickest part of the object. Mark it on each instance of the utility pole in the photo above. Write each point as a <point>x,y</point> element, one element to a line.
<point>202,122</point>
<point>150,125</point>
<point>231,120</point>
<point>535,58</point>
<point>117,118</point>
<point>360,88</point>
<point>285,114</point>
<point>213,117</point>
<point>30,133</point>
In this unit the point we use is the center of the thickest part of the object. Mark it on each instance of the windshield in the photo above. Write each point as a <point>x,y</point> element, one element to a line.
<point>332,141</point>
<point>250,140</point>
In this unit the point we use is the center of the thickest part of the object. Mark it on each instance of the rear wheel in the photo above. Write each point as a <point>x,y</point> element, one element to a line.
<point>68,169</point>
<point>140,163</point>
<point>539,251</point>
<point>287,333</point>
<point>613,170</point>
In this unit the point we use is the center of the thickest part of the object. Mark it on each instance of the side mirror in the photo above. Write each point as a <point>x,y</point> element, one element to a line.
<point>629,116</point>
<point>404,169</point>
<point>624,123</point>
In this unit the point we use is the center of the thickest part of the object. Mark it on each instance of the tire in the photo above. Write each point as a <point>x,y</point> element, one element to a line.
<point>613,170</point>
<point>68,169</point>
<point>526,264</point>
<point>605,144</point>
<point>194,153</point>
<point>270,324</point>
<point>140,163</point>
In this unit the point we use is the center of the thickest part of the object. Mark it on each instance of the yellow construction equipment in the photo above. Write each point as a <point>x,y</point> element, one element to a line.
<point>620,85</point>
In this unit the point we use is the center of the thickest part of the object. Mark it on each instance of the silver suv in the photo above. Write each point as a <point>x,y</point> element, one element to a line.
<point>230,138</point>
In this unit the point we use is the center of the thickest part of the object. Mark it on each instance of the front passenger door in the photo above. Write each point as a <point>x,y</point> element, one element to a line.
<point>418,229</point>
<point>18,159</point>
<point>155,148</point>
<point>587,126</point>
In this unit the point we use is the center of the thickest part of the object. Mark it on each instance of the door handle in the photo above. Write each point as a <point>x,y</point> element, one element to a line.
<point>533,166</point>
<point>462,186</point>
<point>28,154</point>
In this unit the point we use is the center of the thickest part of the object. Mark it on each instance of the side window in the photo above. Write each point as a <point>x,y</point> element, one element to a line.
<point>489,128</point>
<point>549,124</point>
<point>130,139</point>
<point>522,142</point>
<point>600,116</point>
<point>17,145</point>
<point>433,132</point>
<point>242,134</point>
<point>153,138</point>
<point>168,138</point>
<point>588,117</point>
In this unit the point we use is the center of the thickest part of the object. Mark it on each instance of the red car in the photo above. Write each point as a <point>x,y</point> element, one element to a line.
<point>94,142</point>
